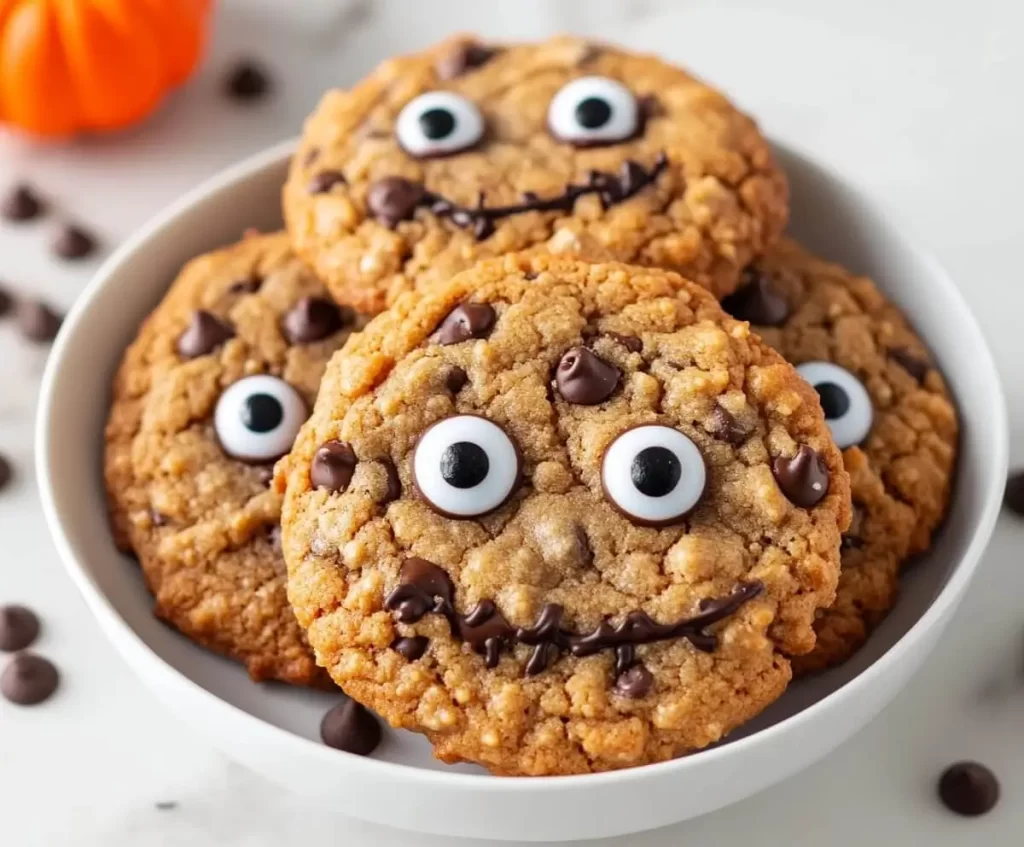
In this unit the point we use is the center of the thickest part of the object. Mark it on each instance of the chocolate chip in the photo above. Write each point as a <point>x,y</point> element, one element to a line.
<point>28,679</point>
<point>914,366</point>
<point>651,107</point>
<point>456,379</point>
<point>463,57</point>
<point>37,321</point>
<point>245,286</point>
<point>247,81</point>
<point>203,335</point>
<point>411,648</point>
<point>394,482</point>
<point>584,378</point>
<point>635,682</point>
<point>352,728</point>
<point>19,627</point>
<point>313,319</point>
<point>394,199</point>
<point>333,466</point>
<point>6,472</point>
<point>757,301</point>
<point>325,181</point>
<point>1013,496</point>
<point>968,788</point>
<point>723,425</point>
<point>630,342</point>
<point>6,301</point>
<point>466,321</point>
<point>804,478</point>
<point>74,243</point>
<point>851,542</point>
<point>21,204</point>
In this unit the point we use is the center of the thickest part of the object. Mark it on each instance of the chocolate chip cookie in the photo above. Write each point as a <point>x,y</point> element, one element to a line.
<point>562,517</point>
<point>473,150</point>
<point>889,412</point>
<point>208,396</point>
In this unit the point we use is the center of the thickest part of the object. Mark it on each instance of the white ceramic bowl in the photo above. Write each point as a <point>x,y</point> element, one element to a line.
<point>274,730</point>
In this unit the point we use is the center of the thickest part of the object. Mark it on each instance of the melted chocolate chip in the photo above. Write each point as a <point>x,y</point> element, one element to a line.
<point>424,588</point>
<point>313,319</point>
<point>1013,497</point>
<point>456,379</point>
<point>635,683</point>
<point>757,301</point>
<point>352,728</point>
<point>804,478</point>
<point>28,679</point>
<point>394,482</point>
<point>723,425</point>
<point>625,658</point>
<point>247,81</point>
<point>969,789</point>
<point>485,629</point>
<point>37,321</point>
<point>21,204</point>
<point>6,472</point>
<point>394,199</point>
<point>412,647</point>
<point>333,465</point>
<point>245,286</point>
<point>204,334</point>
<point>74,243</point>
<point>630,342</point>
<point>466,321</point>
<point>914,366</point>
<point>19,627</point>
<point>325,181</point>
<point>584,378</point>
<point>463,57</point>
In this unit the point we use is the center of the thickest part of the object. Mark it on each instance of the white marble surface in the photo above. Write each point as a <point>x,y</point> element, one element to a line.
<point>919,102</point>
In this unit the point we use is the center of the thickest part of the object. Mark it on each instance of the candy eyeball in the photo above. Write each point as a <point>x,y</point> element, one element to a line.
<point>258,417</point>
<point>844,399</point>
<point>594,110</point>
<point>654,475</point>
<point>439,123</point>
<point>465,466</point>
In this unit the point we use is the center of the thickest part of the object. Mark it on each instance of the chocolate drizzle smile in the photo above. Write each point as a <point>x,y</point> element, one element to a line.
<point>427,589</point>
<point>610,189</point>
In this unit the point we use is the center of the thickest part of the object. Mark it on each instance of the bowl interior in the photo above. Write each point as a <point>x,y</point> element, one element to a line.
<point>827,215</point>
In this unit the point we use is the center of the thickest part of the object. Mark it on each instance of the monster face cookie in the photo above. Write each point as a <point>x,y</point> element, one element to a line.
<point>888,410</point>
<point>209,395</point>
<point>472,150</point>
<point>562,517</point>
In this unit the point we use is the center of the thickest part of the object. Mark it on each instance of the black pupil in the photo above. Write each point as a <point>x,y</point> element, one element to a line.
<point>261,413</point>
<point>593,113</point>
<point>655,471</point>
<point>437,123</point>
<point>464,464</point>
<point>834,401</point>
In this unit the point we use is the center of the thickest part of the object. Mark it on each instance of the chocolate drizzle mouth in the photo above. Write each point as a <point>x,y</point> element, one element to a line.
<point>610,189</point>
<point>427,589</point>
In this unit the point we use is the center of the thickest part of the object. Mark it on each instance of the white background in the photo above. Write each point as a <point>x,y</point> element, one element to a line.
<point>918,102</point>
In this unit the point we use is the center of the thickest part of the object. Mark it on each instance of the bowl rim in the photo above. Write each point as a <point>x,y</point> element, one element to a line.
<point>117,627</point>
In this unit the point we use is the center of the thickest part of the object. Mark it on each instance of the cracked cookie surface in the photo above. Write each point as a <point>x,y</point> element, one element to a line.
<point>472,558</point>
<point>204,526</point>
<point>374,219</point>
<point>902,464</point>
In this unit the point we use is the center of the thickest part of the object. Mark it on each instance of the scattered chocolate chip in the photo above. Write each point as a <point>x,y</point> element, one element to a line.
<point>463,57</point>
<point>466,321</point>
<point>158,518</point>
<point>165,805</point>
<point>630,342</point>
<point>917,368</point>
<point>333,466</point>
<point>245,286</point>
<point>21,204</point>
<point>6,472</point>
<point>313,319</point>
<point>393,199</point>
<point>203,335</point>
<point>651,107</point>
<point>19,627</point>
<point>247,81</point>
<point>584,378</point>
<point>757,301</point>
<point>6,301</point>
<point>325,181</point>
<point>804,478</point>
<point>394,489</point>
<point>968,788</point>
<point>723,425</point>
<point>74,243</point>
<point>37,321</point>
<point>635,682</point>
<point>411,648</point>
<point>352,728</point>
<point>1013,496</point>
<point>583,548</point>
<point>456,379</point>
<point>28,679</point>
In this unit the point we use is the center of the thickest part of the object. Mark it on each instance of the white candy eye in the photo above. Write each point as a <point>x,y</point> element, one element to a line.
<point>653,474</point>
<point>465,466</point>
<point>439,123</point>
<point>847,405</point>
<point>257,418</point>
<point>594,110</point>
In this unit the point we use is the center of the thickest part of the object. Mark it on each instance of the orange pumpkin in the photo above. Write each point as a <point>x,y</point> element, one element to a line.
<point>68,66</point>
